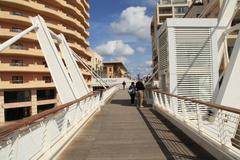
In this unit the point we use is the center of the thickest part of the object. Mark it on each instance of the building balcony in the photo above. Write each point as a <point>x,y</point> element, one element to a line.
<point>85,4</point>
<point>179,1</point>
<point>85,72</point>
<point>47,101</point>
<point>6,67</point>
<point>26,52</point>
<point>29,103</point>
<point>27,85</point>
<point>75,11</point>
<point>67,32</point>
<point>40,8</point>
<point>17,105</point>
<point>85,12</point>
<point>80,49</point>
<point>32,36</point>
<point>166,15</point>
<point>7,17</point>
<point>7,33</point>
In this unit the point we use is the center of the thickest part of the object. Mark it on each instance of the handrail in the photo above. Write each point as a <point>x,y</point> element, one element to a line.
<point>7,130</point>
<point>217,106</point>
<point>219,131</point>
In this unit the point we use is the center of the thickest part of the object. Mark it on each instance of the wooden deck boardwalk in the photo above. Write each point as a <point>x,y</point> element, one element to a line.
<point>120,131</point>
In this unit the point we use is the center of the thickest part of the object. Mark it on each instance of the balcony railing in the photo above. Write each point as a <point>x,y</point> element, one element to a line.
<point>212,124</point>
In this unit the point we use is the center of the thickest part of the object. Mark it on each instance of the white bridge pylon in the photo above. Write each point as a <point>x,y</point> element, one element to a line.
<point>68,79</point>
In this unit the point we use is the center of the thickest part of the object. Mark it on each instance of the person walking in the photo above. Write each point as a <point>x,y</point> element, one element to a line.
<point>124,84</point>
<point>140,89</point>
<point>132,92</point>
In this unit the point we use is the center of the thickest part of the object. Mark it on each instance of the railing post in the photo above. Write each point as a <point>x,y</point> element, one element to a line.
<point>155,100</point>
<point>198,118</point>
<point>161,100</point>
<point>221,128</point>
<point>184,110</point>
<point>171,105</point>
<point>166,102</point>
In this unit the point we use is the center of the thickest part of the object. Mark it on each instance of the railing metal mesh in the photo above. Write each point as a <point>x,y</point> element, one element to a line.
<point>43,135</point>
<point>216,123</point>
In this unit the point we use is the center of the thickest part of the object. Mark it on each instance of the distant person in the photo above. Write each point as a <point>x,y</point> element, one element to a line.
<point>132,92</point>
<point>140,88</point>
<point>124,84</point>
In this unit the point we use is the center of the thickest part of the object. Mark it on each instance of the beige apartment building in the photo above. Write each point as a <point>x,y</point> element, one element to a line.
<point>26,86</point>
<point>97,63</point>
<point>165,9</point>
<point>114,69</point>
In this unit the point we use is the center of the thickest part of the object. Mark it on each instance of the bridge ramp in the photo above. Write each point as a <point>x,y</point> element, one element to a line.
<point>120,131</point>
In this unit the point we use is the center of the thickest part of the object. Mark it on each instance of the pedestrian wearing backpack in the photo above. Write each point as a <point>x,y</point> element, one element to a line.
<point>132,92</point>
<point>140,91</point>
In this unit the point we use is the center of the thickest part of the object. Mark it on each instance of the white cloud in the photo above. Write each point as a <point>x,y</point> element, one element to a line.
<point>133,21</point>
<point>121,59</point>
<point>140,50</point>
<point>148,62</point>
<point>140,68</point>
<point>149,2</point>
<point>117,47</point>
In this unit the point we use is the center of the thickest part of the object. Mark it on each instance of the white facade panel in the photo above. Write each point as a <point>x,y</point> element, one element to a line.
<point>190,70</point>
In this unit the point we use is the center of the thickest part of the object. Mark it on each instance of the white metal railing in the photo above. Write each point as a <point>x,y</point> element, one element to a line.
<point>44,135</point>
<point>221,130</point>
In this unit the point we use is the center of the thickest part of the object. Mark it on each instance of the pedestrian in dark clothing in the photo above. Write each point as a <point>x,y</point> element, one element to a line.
<point>140,88</point>
<point>124,84</point>
<point>132,92</point>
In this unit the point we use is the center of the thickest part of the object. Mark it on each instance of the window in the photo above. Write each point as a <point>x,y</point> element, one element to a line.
<point>46,94</point>
<point>110,69</point>
<point>17,62</point>
<point>45,63</point>
<point>181,10</point>
<point>12,114</point>
<point>17,46</point>
<point>17,96</point>
<point>42,108</point>
<point>17,79</point>
<point>166,10</point>
<point>17,13</point>
<point>14,29</point>
<point>47,79</point>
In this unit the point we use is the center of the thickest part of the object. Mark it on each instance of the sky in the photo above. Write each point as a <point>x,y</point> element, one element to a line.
<point>120,31</point>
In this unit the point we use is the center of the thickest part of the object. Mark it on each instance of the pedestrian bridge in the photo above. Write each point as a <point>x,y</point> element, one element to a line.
<point>97,126</point>
<point>122,131</point>
<point>103,125</point>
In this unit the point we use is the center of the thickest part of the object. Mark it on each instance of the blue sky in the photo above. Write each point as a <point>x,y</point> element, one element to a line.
<point>120,30</point>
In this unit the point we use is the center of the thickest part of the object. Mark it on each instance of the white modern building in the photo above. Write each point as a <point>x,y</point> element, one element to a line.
<point>187,53</point>
<point>165,9</point>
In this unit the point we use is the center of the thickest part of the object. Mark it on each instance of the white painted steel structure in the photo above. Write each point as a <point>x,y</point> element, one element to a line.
<point>44,135</point>
<point>45,138</point>
<point>220,137</point>
<point>56,127</point>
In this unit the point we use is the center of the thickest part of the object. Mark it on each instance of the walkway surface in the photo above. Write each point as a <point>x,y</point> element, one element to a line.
<point>120,131</point>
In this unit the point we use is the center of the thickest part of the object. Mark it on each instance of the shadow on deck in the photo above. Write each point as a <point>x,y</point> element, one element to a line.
<point>172,141</point>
